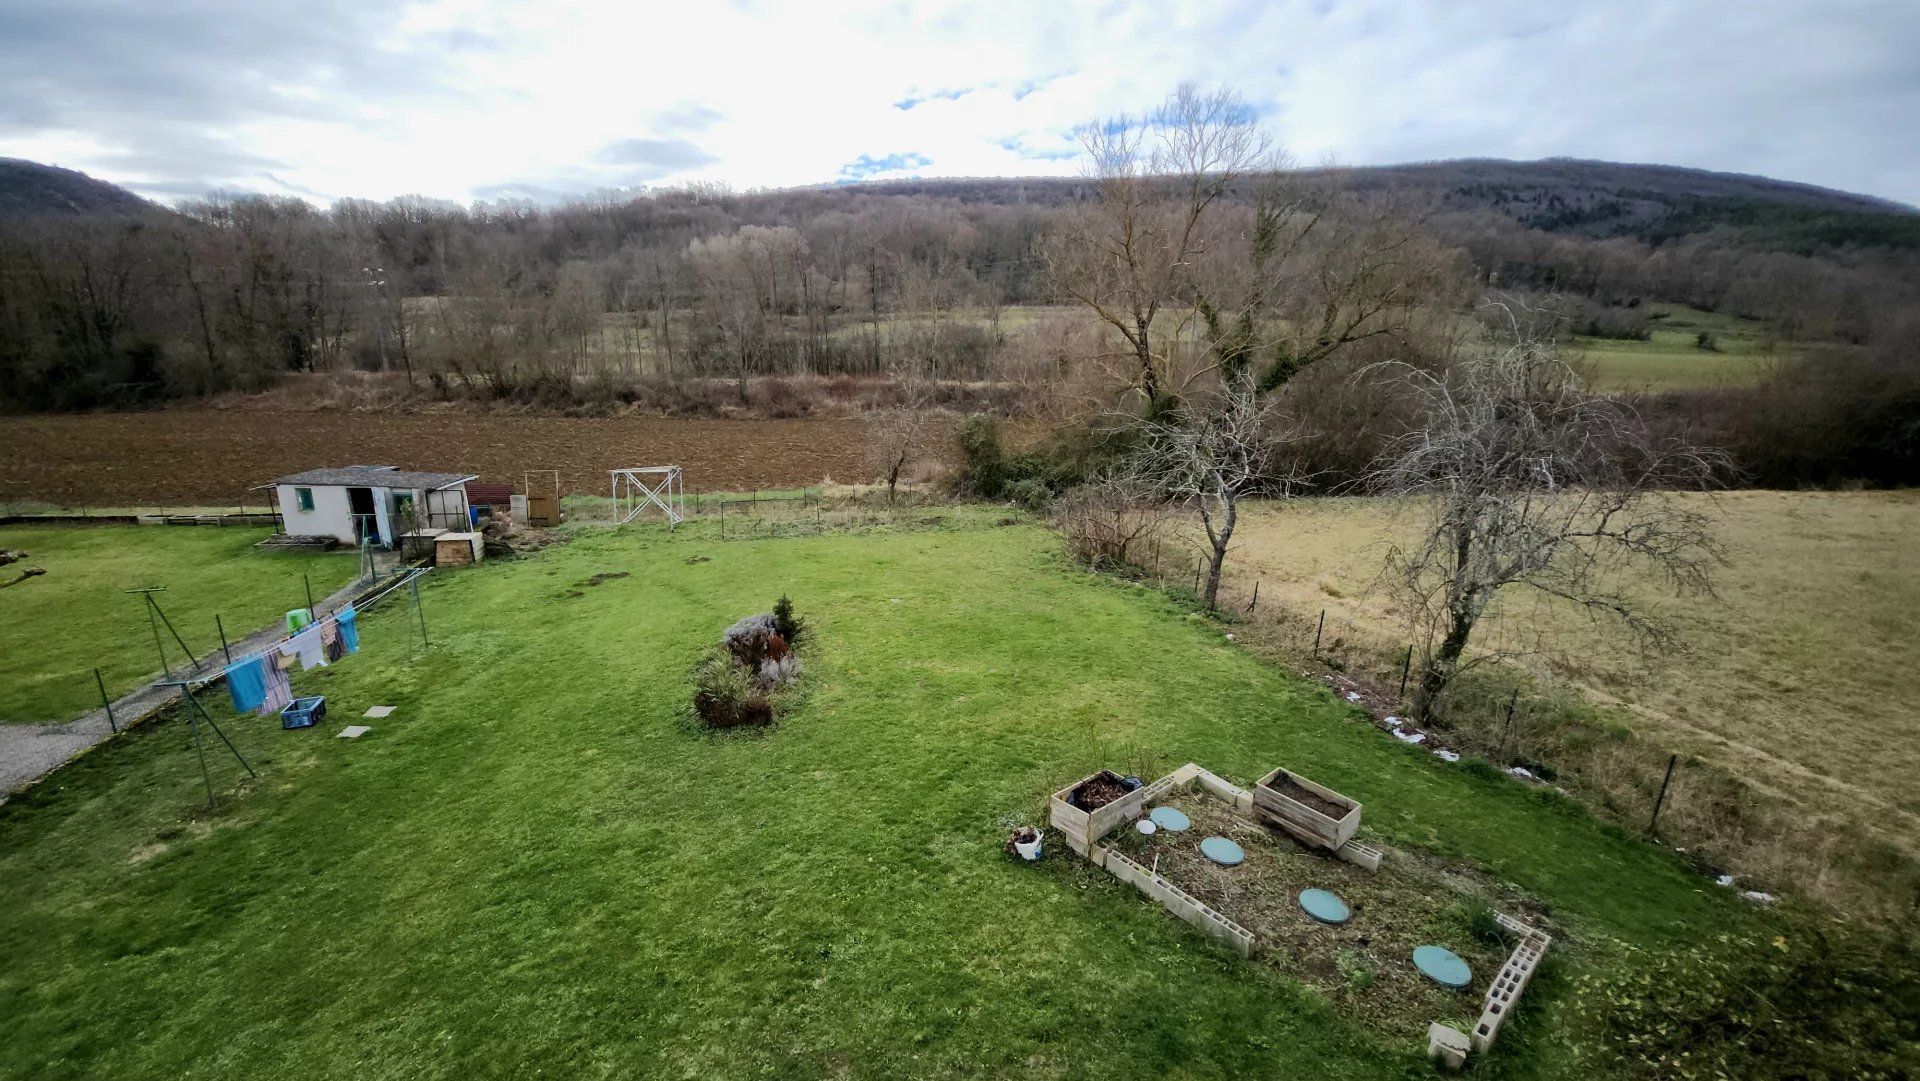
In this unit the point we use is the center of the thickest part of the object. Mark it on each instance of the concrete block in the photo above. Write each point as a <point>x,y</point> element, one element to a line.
<point>1447,1044</point>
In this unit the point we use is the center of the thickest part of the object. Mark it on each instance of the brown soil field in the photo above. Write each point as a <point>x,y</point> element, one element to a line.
<point>212,457</point>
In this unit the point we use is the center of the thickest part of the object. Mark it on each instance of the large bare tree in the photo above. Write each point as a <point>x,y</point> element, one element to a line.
<point>1526,481</point>
<point>1130,256</point>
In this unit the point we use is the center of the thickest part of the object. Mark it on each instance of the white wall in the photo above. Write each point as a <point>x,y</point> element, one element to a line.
<point>331,516</point>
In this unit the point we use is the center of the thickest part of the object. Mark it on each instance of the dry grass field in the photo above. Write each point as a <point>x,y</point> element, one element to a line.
<point>1798,677</point>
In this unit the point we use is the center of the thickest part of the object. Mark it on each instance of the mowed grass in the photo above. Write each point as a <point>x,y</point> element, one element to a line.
<point>1672,358</point>
<point>1799,675</point>
<point>537,865</point>
<point>56,628</point>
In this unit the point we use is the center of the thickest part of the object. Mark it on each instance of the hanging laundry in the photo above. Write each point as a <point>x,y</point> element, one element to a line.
<point>279,688</point>
<point>308,647</point>
<point>330,639</point>
<point>349,623</point>
<point>247,683</point>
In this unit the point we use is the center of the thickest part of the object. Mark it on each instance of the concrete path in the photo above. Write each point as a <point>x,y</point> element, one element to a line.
<point>29,752</point>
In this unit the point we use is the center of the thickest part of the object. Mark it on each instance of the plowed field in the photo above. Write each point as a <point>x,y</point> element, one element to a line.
<point>212,457</point>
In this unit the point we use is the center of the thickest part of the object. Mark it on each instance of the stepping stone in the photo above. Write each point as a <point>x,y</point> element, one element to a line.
<point>1146,826</point>
<point>1442,966</point>
<point>353,731</point>
<point>1222,851</point>
<point>1170,818</point>
<point>1324,906</point>
<point>377,711</point>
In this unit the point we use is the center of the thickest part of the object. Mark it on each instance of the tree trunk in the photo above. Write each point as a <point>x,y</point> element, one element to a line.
<point>1228,516</point>
<point>1143,351</point>
<point>1440,669</point>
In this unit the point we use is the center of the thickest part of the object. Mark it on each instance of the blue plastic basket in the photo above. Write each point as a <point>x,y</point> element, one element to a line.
<point>304,712</point>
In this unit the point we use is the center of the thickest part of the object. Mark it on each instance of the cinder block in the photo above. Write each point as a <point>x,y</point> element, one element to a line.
<point>1447,1044</point>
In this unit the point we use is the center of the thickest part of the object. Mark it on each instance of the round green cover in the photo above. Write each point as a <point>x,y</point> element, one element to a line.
<point>1324,906</point>
<point>1442,965</point>
<point>1170,818</point>
<point>1222,851</point>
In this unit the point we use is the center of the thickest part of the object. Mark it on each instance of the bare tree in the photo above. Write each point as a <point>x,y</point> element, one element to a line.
<point>1212,453</point>
<point>1130,256</point>
<point>1526,480</point>
<point>905,429</point>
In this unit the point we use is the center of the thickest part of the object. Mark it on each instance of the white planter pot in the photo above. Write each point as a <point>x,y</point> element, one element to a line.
<point>1029,850</point>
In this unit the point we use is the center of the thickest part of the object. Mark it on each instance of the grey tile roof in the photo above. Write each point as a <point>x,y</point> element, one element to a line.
<point>376,476</point>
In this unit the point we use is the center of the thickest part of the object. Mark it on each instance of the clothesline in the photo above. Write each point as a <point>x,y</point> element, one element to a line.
<point>266,652</point>
<point>258,680</point>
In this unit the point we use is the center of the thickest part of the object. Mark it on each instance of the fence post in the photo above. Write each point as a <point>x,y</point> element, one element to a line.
<point>1506,737</point>
<point>1405,667</point>
<point>105,702</point>
<point>1661,799</point>
<point>1316,632</point>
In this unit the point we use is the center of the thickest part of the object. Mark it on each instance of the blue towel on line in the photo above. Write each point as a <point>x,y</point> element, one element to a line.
<point>247,682</point>
<point>348,621</point>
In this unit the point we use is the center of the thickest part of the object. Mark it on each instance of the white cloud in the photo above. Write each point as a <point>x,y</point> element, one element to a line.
<point>454,98</point>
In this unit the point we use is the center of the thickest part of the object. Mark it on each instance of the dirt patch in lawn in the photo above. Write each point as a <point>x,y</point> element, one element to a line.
<point>1365,966</point>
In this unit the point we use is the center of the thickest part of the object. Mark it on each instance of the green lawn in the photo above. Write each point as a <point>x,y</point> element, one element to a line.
<point>55,629</point>
<point>538,865</point>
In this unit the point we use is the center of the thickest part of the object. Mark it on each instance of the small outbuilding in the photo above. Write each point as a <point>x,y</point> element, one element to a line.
<point>377,502</point>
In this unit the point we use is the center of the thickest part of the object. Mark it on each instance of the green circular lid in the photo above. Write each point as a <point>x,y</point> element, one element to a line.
<point>1324,906</point>
<point>1222,851</point>
<point>1170,818</point>
<point>1442,965</point>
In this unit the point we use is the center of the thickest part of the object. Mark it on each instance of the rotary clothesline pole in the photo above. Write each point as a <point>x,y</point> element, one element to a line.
<point>225,649</point>
<point>154,610</point>
<point>199,713</point>
<point>105,702</point>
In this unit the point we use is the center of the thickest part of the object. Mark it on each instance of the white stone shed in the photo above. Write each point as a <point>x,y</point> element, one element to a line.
<point>377,501</point>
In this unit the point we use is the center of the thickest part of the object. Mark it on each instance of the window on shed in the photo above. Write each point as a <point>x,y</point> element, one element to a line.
<point>303,498</point>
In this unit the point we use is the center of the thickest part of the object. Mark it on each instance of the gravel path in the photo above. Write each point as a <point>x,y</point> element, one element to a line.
<point>29,752</point>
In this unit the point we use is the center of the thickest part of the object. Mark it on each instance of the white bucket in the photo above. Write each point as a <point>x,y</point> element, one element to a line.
<point>1029,850</point>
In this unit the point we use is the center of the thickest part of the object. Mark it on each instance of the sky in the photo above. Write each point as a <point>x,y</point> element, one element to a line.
<point>484,100</point>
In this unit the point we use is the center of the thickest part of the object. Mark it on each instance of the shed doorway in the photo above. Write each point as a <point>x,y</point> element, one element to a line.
<point>366,525</point>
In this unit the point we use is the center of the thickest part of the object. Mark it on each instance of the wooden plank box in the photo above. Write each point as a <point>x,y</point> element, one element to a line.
<point>1300,820</point>
<point>1082,828</point>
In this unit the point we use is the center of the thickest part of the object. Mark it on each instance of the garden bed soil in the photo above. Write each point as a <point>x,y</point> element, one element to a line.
<point>1313,801</point>
<point>1098,791</point>
<point>1364,966</point>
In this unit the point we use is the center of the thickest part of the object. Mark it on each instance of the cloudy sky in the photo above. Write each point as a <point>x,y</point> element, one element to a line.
<point>480,99</point>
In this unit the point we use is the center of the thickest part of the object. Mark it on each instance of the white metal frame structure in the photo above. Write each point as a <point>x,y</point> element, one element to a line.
<point>634,490</point>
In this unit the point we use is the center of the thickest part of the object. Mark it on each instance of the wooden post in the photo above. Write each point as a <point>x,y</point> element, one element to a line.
<point>1506,738</point>
<point>1316,632</point>
<point>1661,799</point>
<point>1256,597</point>
<point>1405,667</point>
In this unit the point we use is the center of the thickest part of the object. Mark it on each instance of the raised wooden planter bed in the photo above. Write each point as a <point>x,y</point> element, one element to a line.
<point>1313,813</point>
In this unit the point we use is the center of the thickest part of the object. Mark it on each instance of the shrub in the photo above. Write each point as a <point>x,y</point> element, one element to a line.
<point>785,623</point>
<point>1031,493</point>
<point>983,469</point>
<point>726,694</point>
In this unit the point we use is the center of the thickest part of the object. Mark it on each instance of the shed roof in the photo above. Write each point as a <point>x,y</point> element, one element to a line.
<point>376,476</point>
